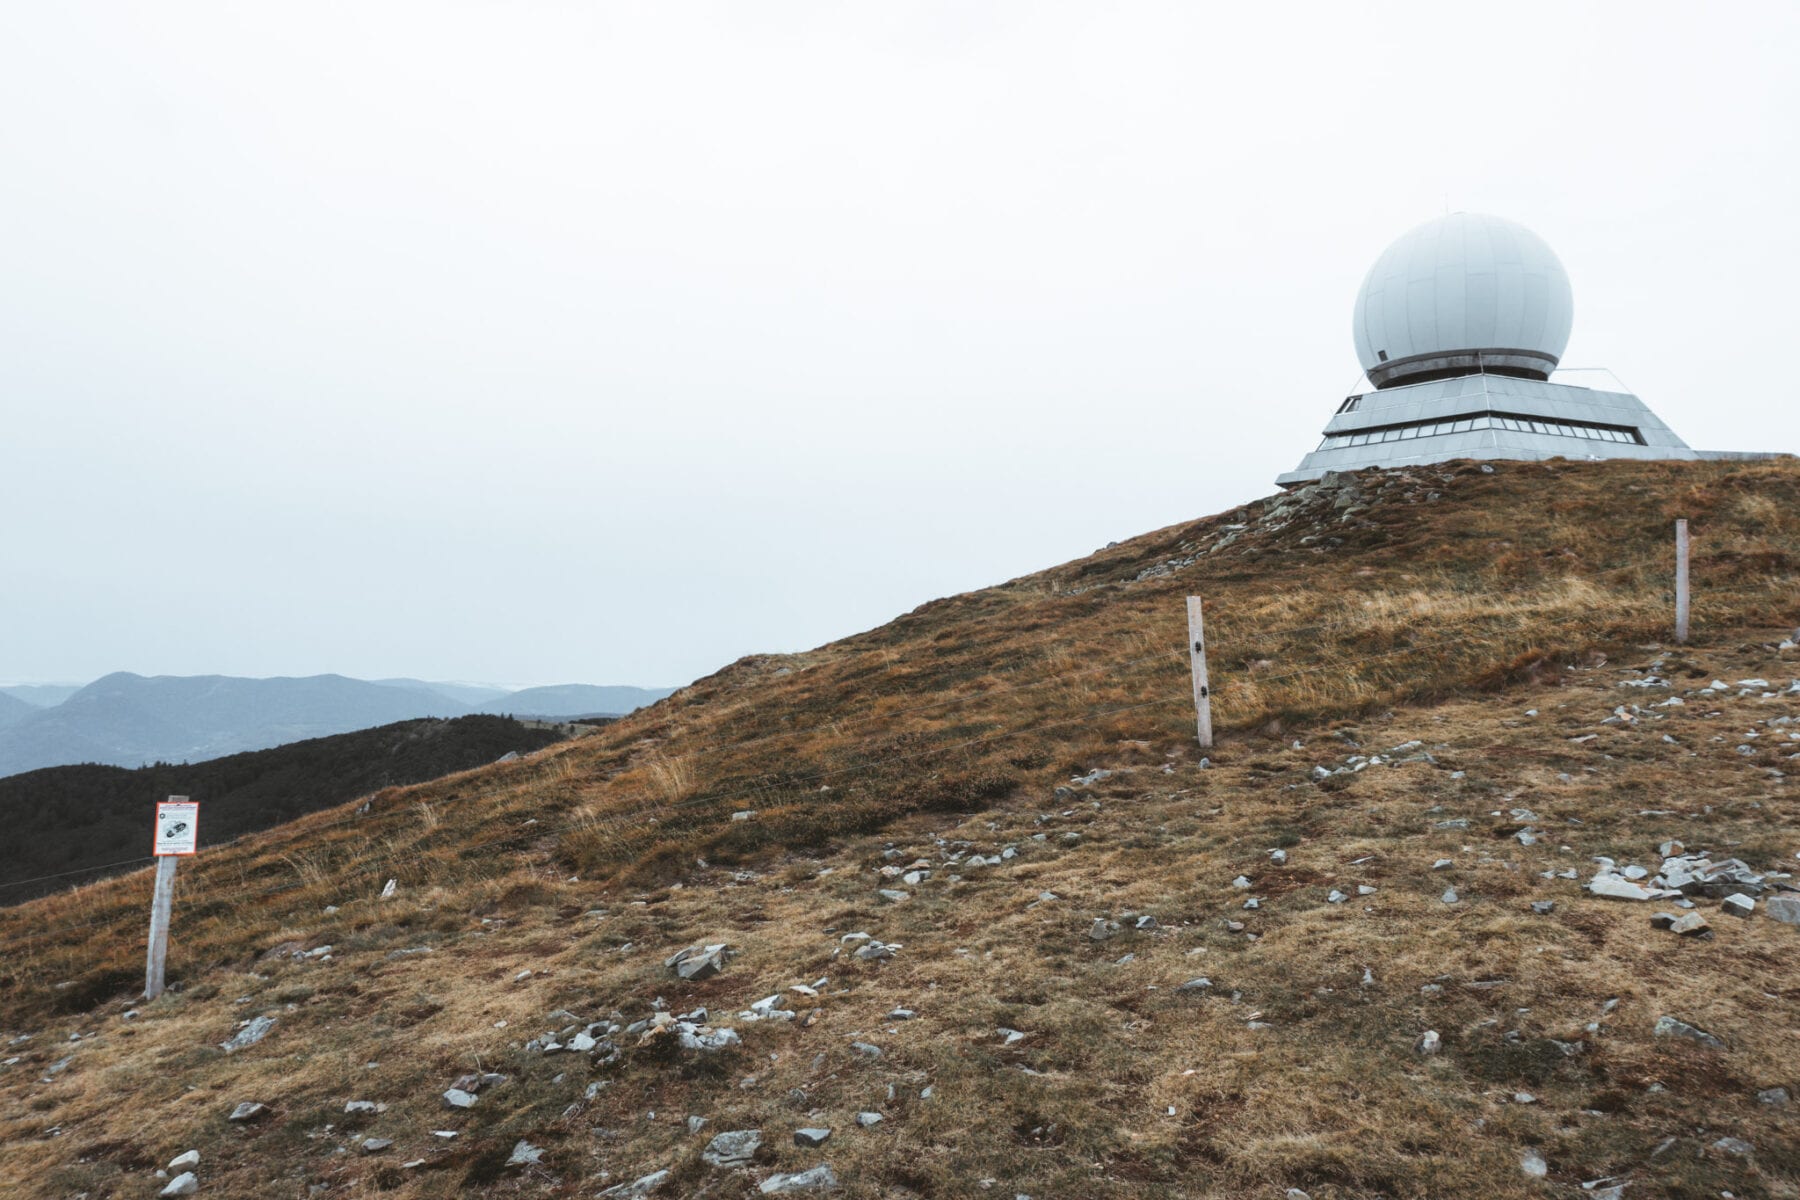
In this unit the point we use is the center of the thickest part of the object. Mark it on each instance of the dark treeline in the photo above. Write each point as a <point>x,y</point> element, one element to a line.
<point>68,818</point>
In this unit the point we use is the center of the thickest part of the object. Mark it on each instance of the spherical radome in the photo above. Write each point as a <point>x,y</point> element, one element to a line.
<point>1465,291</point>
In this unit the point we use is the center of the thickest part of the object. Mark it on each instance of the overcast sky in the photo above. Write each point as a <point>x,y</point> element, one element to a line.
<point>538,342</point>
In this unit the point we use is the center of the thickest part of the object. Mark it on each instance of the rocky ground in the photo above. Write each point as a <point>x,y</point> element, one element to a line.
<point>1536,942</point>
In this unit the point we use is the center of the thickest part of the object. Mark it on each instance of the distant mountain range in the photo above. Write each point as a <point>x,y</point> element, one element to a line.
<point>128,720</point>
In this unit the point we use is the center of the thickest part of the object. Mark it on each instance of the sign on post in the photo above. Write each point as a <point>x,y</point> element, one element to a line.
<point>177,827</point>
<point>175,836</point>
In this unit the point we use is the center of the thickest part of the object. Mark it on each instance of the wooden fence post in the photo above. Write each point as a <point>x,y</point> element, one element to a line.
<point>1681,582</point>
<point>175,835</point>
<point>160,902</point>
<point>1197,659</point>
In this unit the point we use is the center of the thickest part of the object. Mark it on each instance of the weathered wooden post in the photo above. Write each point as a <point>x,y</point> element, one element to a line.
<point>177,835</point>
<point>1197,659</point>
<point>1681,581</point>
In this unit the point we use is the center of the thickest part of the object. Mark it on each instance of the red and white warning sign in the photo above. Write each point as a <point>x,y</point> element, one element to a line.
<point>177,826</point>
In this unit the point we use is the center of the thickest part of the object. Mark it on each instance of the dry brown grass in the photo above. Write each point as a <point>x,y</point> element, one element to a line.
<point>1441,619</point>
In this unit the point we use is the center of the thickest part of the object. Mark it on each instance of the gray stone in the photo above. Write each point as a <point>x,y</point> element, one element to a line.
<point>733,1149</point>
<point>901,1014</point>
<point>524,1154</point>
<point>865,1049</point>
<point>1450,896</point>
<point>1736,1147</point>
<point>184,1184</point>
<point>1335,897</point>
<point>1776,1097</point>
<point>1689,925</point>
<point>1102,929</point>
<point>1197,984</point>
<point>1675,1027</point>
<point>811,1139</point>
<point>698,962</point>
<point>868,1120</point>
<point>695,1124</point>
<point>254,1031</point>
<point>1785,909</point>
<point>1543,908</point>
<point>361,1106</point>
<point>1738,905</point>
<point>819,1179</point>
<point>1533,1164</point>
<point>637,1188</point>
<point>182,1162</point>
<point>1428,1043</point>
<point>706,1039</point>
<point>249,1110</point>
<point>375,1145</point>
<point>457,1098</point>
<point>894,895</point>
<point>1616,888</point>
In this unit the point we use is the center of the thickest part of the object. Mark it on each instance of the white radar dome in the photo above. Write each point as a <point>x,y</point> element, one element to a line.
<point>1461,294</point>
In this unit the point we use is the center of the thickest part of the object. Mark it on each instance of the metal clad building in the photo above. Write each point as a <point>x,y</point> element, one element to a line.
<point>1458,326</point>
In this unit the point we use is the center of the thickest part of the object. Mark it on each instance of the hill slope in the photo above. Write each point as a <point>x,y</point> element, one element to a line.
<point>1018,1023</point>
<point>79,819</point>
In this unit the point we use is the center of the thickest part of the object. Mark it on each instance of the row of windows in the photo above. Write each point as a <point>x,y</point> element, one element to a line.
<point>1403,433</point>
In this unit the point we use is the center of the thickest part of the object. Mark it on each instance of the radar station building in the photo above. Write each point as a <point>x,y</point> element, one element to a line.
<point>1458,326</point>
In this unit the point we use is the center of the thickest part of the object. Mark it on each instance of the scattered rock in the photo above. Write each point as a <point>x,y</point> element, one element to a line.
<point>249,1110</point>
<point>820,1179</point>
<point>1736,1147</point>
<point>868,1120</point>
<point>1543,908</point>
<point>637,1188</point>
<point>1690,925</point>
<point>894,895</point>
<point>1776,1097</point>
<point>865,1049</point>
<point>250,1033</point>
<point>184,1184</point>
<point>734,1149</point>
<point>699,962</point>
<point>457,1098</point>
<point>182,1162</point>
<point>377,1145</point>
<point>1617,888</point>
<point>811,1139</point>
<point>1785,909</point>
<point>1428,1043</point>
<point>524,1154</point>
<point>1533,1164</point>
<point>1738,905</point>
<point>1199,984</point>
<point>1675,1027</point>
<point>1450,896</point>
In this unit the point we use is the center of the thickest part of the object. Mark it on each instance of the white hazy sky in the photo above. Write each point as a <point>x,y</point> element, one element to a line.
<point>538,342</point>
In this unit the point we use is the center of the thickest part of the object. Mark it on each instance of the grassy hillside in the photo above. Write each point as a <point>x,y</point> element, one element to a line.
<point>76,823</point>
<point>1491,618</point>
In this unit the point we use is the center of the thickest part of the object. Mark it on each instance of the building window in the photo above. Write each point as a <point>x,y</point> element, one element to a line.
<point>1591,431</point>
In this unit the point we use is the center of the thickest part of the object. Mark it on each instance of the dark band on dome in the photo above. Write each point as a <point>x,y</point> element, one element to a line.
<point>1421,368</point>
